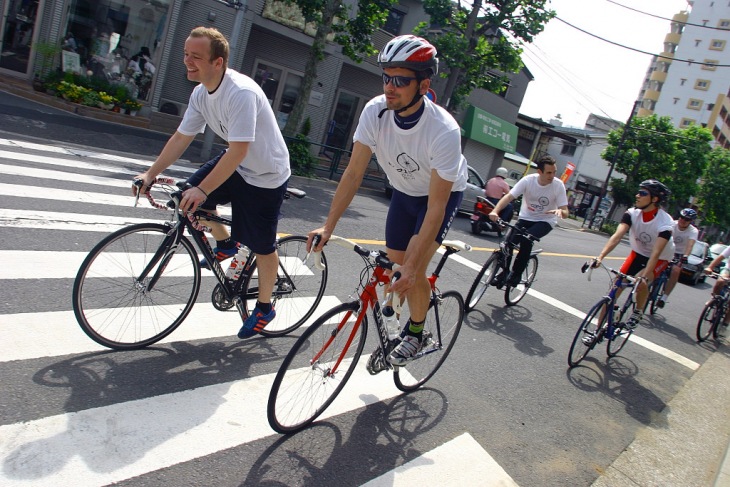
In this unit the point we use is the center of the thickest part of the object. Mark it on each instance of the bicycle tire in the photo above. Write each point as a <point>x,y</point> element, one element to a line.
<point>719,319</point>
<point>116,311</point>
<point>298,290</point>
<point>482,281</point>
<point>450,314</point>
<point>303,388</point>
<point>656,292</point>
<point>592,327</point>
<point>513,295</point>
<point>708,320</point>
<point>621,335</point>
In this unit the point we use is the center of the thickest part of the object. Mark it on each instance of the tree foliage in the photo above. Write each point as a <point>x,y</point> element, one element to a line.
<point>353,34</point>
<point>652,148</point>
<point>714,204</point>
<point>478,42</point>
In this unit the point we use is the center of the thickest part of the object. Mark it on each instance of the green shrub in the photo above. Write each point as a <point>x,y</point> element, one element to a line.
<point>609,227</point>
<point>302,161</point>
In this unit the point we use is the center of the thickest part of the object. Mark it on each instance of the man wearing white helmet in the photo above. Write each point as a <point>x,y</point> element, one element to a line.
<point>496,188</point>
<point>418,146</point>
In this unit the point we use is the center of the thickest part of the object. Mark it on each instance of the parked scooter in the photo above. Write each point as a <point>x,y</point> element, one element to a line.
<point>480,221</point>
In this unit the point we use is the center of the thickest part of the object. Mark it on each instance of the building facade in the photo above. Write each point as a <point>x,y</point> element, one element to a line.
<point>139,43</point>
<point>688,81</point>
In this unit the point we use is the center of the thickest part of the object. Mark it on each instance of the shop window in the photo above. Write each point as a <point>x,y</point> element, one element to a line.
<point>119,42</point>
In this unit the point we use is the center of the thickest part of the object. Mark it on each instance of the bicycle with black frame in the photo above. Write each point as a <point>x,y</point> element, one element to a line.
<point>138,284</point>
<point>656,288</point>
<point>712,319</point>
<point>495,269</point>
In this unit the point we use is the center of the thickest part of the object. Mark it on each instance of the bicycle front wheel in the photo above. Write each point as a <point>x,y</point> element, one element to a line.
<point>440,330</point>
<point>708,320</point>
<point>482,281</point>
<point>134,289</point>
<point>298,290</point>
<point>316,368</point>
<point>621,335</point>
<point>589,332</point>
<point>513,295</point>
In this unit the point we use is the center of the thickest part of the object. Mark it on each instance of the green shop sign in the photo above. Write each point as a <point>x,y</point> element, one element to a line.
<point>486,128</point>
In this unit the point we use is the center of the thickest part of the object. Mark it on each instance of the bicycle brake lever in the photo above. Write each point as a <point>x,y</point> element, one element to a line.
<point>139,183</point>
<point>318,264</point>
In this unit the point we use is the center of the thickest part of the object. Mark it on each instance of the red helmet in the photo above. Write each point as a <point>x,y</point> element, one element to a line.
<point>409,52</point>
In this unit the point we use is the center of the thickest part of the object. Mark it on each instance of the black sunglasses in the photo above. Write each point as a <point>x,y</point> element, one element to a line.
<point>643,192</point>
<point>398,81</point>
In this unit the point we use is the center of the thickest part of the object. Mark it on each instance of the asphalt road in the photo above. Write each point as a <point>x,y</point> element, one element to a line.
<point>506,385</point>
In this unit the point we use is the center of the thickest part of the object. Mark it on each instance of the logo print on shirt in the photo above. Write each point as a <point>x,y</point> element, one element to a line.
<point>406,166</point>
<point>542,203</point>
<point>644,238</point>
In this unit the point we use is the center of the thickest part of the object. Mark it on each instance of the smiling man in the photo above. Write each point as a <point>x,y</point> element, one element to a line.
<point>251,174</point>
<point>418,145</point>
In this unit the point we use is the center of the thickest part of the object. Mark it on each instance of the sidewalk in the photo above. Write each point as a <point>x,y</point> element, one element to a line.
<point>688,443</point>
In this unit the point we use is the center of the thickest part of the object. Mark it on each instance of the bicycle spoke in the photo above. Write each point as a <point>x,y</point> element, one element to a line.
<point>589,333</point>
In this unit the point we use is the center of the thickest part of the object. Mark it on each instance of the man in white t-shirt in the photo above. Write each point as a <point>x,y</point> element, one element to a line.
<point>543,201</point>
<point>418,146</point>
<point>252,174</point>
<point>684,235</point>
<point>650,237</point>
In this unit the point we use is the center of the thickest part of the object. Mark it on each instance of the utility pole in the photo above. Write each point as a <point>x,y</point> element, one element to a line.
<point>604,188</point>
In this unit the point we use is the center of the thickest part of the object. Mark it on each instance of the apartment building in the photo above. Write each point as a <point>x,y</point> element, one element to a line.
<point>689,80</point>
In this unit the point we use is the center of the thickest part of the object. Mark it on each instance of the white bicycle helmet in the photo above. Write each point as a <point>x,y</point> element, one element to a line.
<point>411,52</point>
<point>502,172</point>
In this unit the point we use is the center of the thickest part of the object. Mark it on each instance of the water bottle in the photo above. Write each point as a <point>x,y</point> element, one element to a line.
<point>236,267</point>
<point>391,322</point>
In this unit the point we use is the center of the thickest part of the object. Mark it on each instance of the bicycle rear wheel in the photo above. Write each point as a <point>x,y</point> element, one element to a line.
<point>298,290</point>
<point>589,333</point>
<point>440,331</point>
<point>482,281</point>
<point>708,320</point>
<point>717,330</point>
<point>118,309</point>
<point>513,295</point>
<point>305,384</point>
<point>656,292</point>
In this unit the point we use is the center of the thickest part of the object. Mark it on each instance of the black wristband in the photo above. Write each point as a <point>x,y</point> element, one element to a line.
<point>203,191</point>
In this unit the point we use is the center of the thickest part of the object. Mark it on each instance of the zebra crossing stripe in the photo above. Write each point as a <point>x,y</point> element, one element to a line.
<point>55,333</point>
<point>461,461</point>
<point>79,222</point>
<point>109,444</point>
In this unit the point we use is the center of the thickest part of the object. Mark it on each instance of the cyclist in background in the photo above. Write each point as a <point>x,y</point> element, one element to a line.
<point>650,237</point>
<point>724,274</point>
<point>684,235</point>
<point>418,146</point>
<point>252,174</point>
<point>544,201</point>
<point>495,189</point>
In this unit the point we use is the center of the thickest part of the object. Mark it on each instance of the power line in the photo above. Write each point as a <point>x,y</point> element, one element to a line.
<point>664,18</point>
<point>639,50</point>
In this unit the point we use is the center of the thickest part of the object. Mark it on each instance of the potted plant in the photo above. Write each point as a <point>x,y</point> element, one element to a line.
<point>132,106</point>
<point>106,101</point>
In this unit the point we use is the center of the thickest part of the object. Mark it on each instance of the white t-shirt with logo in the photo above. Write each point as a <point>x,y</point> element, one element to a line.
<point>682,237</point>
<point>538,199</point>
<point>239,111</point>
<point>643,235</point>
<point>408,156</point>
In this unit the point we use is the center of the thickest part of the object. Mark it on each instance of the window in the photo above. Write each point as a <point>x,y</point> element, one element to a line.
<point>723,23</point>
<point>686,122</point>
<point>702,84</point>
<point>694,104</point>
<point>717,45</point>
<point>710,64</point>
<point>394,22</point>
<point>568,149</point>
<point>281,95</point>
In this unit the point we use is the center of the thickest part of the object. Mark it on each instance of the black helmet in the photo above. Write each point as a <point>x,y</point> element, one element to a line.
<point>688,214</point>
<point>656,188</point>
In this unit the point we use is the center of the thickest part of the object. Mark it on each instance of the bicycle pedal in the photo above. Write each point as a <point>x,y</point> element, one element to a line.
<point>376,362</point>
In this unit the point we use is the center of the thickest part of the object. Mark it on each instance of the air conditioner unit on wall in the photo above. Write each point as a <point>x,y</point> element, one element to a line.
<point>172,107</point>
